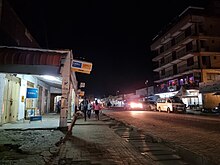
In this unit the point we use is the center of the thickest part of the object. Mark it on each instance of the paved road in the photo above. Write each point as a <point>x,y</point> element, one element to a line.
<point>199,135</point>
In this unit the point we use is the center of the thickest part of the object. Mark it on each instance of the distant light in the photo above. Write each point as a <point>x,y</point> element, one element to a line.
<point>51,78</point>
<point>136,105</point>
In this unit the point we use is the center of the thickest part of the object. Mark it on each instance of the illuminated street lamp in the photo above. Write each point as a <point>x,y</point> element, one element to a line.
<point>117,92</point>
<point>146,83</point>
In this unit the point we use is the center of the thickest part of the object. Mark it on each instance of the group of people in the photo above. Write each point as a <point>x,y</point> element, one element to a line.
<point>87,107</point>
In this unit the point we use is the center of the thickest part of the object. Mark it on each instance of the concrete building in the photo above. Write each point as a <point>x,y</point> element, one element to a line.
<point>187,52</point>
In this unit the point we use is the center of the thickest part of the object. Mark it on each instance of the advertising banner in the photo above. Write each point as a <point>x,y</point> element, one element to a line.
<point>81,66</point>
<point>32,93</point>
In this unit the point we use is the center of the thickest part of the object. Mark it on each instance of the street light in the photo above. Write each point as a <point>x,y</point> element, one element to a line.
<point>117,92</point>
<point>146,83</point>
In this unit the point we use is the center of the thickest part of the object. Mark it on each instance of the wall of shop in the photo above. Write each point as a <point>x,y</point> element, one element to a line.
<point>2,82</point>
<point>45,102</point>
<point>22,97</point>
<point>22,94</point>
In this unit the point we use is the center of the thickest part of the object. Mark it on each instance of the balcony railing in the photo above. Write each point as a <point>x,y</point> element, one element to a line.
<point>167,74</point>
<point>180,70</point>
<point>181,39</point>
<point>179,54</point>
<point>184,68</point>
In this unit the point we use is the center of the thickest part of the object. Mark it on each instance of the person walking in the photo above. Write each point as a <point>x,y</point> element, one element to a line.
<point>97,108</point>
<point>84,107</point>
<point>58,106</point>
<point>89,109</point>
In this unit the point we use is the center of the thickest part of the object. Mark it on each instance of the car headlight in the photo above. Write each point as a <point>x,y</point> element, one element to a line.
<point>136,105</point>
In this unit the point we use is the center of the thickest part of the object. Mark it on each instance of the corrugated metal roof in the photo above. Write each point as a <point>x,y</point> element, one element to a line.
<point>28,56</point>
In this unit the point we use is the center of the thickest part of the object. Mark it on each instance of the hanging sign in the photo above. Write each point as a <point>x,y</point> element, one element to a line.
<point>81,66</point>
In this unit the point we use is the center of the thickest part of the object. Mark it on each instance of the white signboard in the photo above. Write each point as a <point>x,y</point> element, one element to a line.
<point>82,85</point>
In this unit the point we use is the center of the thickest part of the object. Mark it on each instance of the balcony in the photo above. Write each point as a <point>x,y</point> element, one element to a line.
<point>182,55</point>
<point>182,70</point>
<point>167,74</point>
<point>178,44</point>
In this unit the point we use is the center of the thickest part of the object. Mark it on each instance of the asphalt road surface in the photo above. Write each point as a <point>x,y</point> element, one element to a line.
<point>198,134</point>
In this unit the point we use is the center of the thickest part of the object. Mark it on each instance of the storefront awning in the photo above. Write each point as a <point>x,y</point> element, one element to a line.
<point>31,60</point>
<point>183,93</point>
<point>209,87</point>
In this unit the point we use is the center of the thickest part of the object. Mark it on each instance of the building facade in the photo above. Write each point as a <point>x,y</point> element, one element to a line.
<point>187,53</point>
<point>24,89</point>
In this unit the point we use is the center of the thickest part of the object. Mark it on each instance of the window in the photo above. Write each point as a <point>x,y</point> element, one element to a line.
<point>163,72</point>
<point>206,60</point>
<point>202,43</point>
<point>181,82</point>
<point>175,69</point>
<point>174,55</point>
<point>162,49</point>
<point>201,28</point>
<point>167,45</point>
<point>155,53</point>
<point>173,42</point>
<point>190,61</point>
<point>212,76</point>
<point>162,60</point>
<point>30,84</point>
<point>189,46</point>
<point>188,32</point>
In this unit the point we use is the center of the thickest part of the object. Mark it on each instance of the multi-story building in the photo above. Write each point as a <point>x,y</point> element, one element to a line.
<point>187,52</point>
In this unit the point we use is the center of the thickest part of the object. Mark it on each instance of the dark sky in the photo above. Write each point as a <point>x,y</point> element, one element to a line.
<point>115,35</point>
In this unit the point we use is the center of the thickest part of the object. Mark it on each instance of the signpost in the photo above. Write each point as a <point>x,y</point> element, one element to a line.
<point>81,66</point>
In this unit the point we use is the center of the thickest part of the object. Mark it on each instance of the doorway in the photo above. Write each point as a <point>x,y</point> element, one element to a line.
<point>11,99</point>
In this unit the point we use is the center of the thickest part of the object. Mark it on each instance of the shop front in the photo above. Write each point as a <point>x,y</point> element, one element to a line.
<point>19,79</point>
<point>186,87</point>
<point>210,92</point>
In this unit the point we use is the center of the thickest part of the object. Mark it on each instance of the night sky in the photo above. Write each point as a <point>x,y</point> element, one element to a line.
<point>114,35</point>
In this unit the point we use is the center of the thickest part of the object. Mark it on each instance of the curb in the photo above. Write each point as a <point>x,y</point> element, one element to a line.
<point>26,129</point>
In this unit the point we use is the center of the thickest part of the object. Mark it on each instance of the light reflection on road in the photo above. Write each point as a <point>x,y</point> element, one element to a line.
<point>136,113</point>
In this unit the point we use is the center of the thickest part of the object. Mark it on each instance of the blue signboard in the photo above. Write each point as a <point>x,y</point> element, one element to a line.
<point>77,64</point>
<point>32,93</point>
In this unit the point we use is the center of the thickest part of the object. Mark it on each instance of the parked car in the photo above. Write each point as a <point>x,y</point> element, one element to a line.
<point>150,106</point>
<point>211,110</point>
<point>216,109</point>
<point>173,104</point>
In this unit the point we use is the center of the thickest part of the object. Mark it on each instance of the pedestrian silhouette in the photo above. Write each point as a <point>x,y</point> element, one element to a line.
<point>97,108</point>
<point>84,107</point>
